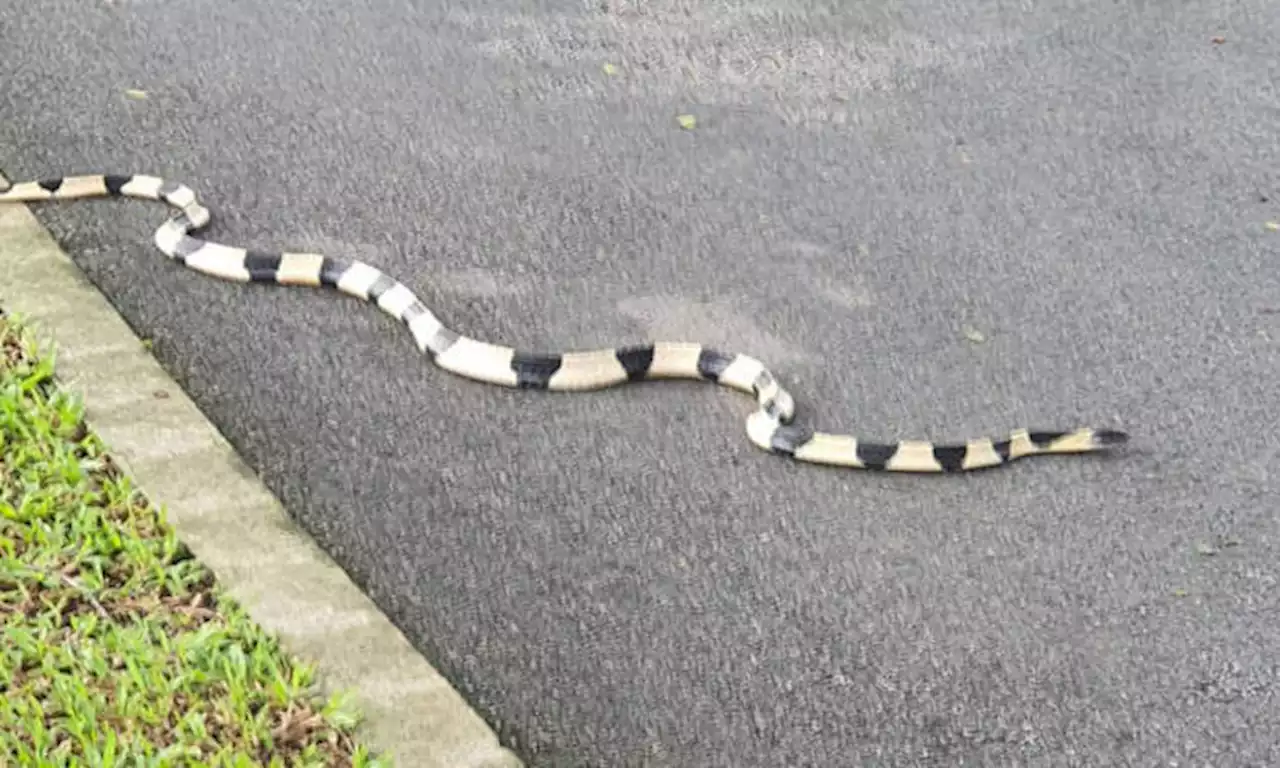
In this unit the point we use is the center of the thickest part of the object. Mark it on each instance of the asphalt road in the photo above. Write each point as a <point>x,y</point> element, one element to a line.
<point>621,578</point>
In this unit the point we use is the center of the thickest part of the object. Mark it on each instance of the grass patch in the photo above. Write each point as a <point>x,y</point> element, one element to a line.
<point>118,647</point>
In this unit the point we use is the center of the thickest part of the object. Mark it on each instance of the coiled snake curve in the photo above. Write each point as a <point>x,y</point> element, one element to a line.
<point>770,427</point>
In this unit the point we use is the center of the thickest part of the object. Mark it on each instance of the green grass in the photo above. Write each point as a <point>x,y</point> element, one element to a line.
<point>118,647</point>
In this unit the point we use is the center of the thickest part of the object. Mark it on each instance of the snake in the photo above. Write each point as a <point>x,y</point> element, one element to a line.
<point>771,426</point>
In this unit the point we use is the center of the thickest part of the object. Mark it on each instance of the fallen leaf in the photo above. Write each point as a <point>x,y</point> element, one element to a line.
<point>973,334</point>
<point>134,93</point>
<point>609,69</point>
<point>687,122</point>
<point>1219,40</point>
<point>1179,592</point>
<point>1272,226</point>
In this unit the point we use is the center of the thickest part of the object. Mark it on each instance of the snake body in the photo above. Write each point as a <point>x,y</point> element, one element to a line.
<point>770,427</point>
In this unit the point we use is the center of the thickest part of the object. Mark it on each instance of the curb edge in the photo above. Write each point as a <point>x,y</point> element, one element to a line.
<point>230,520</point>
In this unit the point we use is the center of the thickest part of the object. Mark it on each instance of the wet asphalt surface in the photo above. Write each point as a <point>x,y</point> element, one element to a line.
<point>932,219</point>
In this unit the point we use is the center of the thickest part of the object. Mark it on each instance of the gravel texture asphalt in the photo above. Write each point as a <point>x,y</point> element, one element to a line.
<point>932,219</point>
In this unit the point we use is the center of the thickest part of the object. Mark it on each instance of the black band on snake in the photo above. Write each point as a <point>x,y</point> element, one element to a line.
<point>770,427</point>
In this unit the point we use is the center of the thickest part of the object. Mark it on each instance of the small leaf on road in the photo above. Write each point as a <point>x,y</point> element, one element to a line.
<point>609,69</point>
<point>973,334</point>
<point>687,122</point>
<point>135,94</point>
<point>1272,226</point>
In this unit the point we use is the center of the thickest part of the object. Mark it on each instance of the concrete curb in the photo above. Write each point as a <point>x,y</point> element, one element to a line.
<point>230,521</point>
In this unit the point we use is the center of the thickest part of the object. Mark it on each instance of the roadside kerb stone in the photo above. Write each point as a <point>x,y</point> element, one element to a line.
<point>229,519</point>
